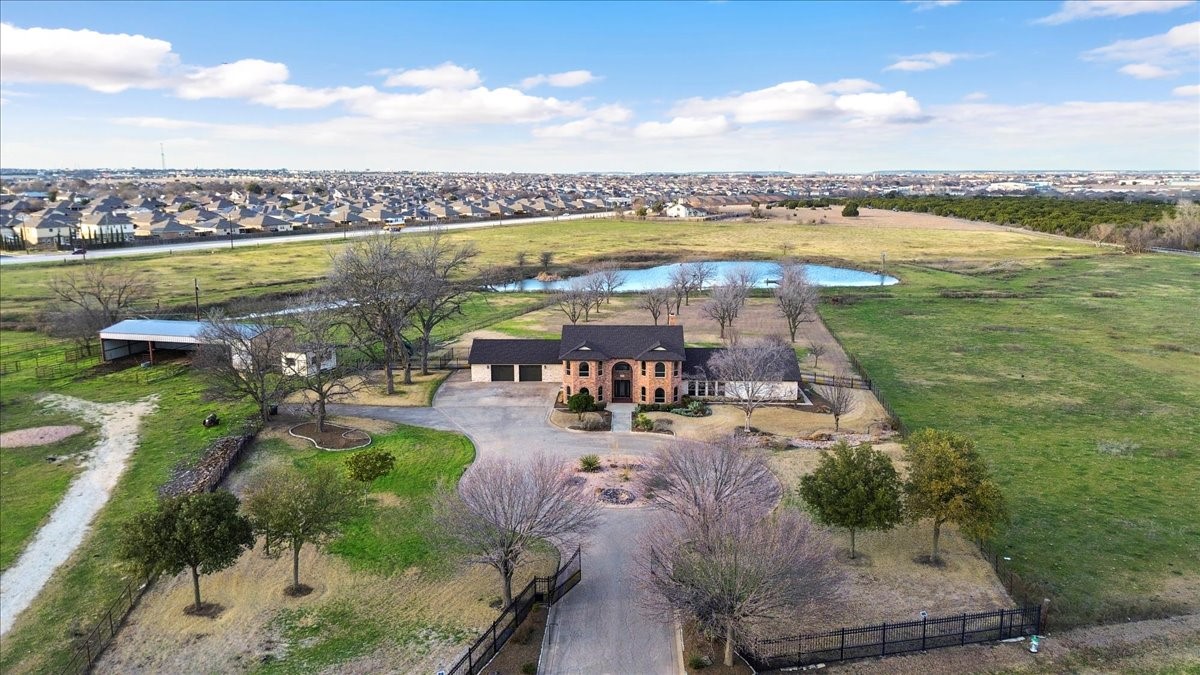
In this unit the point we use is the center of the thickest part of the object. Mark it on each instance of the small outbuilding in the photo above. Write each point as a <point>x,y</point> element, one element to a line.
<point>148,336</point>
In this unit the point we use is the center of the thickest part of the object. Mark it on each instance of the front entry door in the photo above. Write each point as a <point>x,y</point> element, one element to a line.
<point>621,389</point>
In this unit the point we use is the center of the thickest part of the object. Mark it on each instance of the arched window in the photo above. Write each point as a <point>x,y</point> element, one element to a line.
<point>568,391</point>
<point>675,395</point>
<point>584,369</point>
<point>584,390</point>
<point>643,394</point>
<point>660,369</point>
<point>660,396</point>
<point>643,368</point>
<point>675,369</point>
<point>600,394</point>
<point>599,369</point>
<point>567,367</point>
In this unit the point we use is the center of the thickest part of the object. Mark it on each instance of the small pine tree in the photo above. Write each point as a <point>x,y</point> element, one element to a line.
<point>855,488</point>
<point>850,210</point>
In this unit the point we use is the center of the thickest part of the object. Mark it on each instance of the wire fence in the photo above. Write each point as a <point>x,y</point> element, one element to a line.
<point>541,589</point>
<point>93,643</point>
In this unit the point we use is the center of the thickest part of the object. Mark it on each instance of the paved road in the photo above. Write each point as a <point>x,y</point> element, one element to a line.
<point>596,628</point>
<point>218,242</point>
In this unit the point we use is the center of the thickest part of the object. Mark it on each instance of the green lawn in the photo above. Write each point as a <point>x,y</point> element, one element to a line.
<point>395,537</point>
<point>1094,351</point>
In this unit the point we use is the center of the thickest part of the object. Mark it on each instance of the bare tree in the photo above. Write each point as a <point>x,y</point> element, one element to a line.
<point>596,291</point>
<point>611,279</point>
<point>503,508</point>
<point>656,301</point>
<point>441,285</point>
<point>816,350</point>
<point>679,281</point>
<point>795,296</point>
<point>740,574</point>
<point>522,259</point>
<point>374,279</point>
<point>702,483</point>
<point>724,303</point>
<point>243,359</point>
<point>316,368</point>
<point>575,301</point>
<point>92,298</point>
<point>700,274</point>
<point>752,371</point>
<point>545,258</point>
<point>842,401</point>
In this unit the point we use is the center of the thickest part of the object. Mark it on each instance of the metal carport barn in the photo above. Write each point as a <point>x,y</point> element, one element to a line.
<point>515,360</point>
<point>137,336</point>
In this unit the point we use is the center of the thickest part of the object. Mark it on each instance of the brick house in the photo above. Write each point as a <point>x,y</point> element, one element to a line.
<point>615,364</point>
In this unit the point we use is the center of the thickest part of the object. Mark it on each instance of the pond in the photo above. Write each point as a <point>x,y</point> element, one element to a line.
<point>765,272</point>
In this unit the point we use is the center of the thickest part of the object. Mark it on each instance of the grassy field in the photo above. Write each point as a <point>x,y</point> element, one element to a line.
<point>1082,389</point>
<point>226,275</point>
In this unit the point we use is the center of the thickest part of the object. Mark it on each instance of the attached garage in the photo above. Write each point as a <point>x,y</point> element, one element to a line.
<point>515,360</point>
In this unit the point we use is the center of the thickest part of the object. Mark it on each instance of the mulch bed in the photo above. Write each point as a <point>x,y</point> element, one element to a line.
<point>525,645</point>
<point>334,437</point>
<point>696,643</point>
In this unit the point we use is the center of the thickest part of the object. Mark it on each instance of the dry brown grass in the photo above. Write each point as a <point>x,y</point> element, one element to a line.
<point>778,420</point>
<point>372,390</point>
<point>885,583</point>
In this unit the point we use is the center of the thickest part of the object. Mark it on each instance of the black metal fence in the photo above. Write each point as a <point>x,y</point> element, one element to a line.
<point>541,589</point>
<point>91,645</point>
<point>892,638</point>
<point>835,381</point>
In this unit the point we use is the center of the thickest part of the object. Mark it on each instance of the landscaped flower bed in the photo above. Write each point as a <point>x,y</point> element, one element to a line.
<point>334,437</point>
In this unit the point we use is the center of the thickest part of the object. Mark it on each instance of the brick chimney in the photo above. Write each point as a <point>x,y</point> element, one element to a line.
<point>672,319</point>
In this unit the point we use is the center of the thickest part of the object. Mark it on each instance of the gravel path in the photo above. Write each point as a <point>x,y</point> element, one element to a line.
<point>88,493</point>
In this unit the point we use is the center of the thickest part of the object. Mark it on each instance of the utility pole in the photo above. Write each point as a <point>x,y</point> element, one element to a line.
<point>162,155</point>
<point>196,284</point>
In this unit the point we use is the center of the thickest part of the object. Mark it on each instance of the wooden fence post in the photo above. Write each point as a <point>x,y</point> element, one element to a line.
<point>1043,616</point>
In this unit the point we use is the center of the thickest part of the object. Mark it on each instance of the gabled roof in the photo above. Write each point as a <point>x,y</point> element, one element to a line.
<point>696,367</point>
<point>513,351</point>
<point>641,343</point>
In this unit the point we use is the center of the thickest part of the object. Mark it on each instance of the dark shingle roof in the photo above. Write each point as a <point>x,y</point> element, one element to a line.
<point>514,351</point>
<point>643,343</point>
<point>696,365</point>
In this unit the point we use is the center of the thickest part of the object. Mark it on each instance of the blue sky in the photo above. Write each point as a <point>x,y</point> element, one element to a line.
<point>678,86</point>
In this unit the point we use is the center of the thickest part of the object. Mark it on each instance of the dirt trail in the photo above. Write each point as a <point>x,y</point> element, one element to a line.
<point>69,522</point>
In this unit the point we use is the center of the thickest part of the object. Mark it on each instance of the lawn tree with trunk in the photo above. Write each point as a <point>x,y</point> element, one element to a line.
<point>841,399</point>
<point>201,532</point>
<point>293,508</point>
<point>375,279</point>
<point>318,334</point>
<point>505,507</point>
<point>699,273</point>
<point>850,210</point>
<point>751,370</point>
<point>243,358</point>
<point>611,279</point>
<point>545,258</point>
<point>441,285</point>
<point>580,403</point>
<point>596,290</point>
<point>657,301</point>
<point>573,301</point>
<point>522,259</point>
<point>856,488</point>
<point>702,483</point>
<point>724,304</point>
<point>816,350</point>
<point>948,482</point>
<point>679,282</point>
<point>739,575</point>
<point>92,297</point>
<point>795,296</point>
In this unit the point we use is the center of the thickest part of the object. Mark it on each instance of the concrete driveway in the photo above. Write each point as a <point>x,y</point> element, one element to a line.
<point>597,627</point>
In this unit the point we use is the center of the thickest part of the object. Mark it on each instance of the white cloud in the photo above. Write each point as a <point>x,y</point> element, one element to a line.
<point>684,127</point>
<point>104,62</point>
<point>1187,90</point>
<point>571,78</point>
<point>241,79</point>
<point>1181,42</point>
<point>924,5</point>
<point>926,61</point>
<point>976,96</point>
<point>472,106</point>
<point>446,76</point>
<point>158,123</point>
<point>601,123</point>
<point>803,100</point>
<point>1077,10</point>
<point>1146,71</point>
